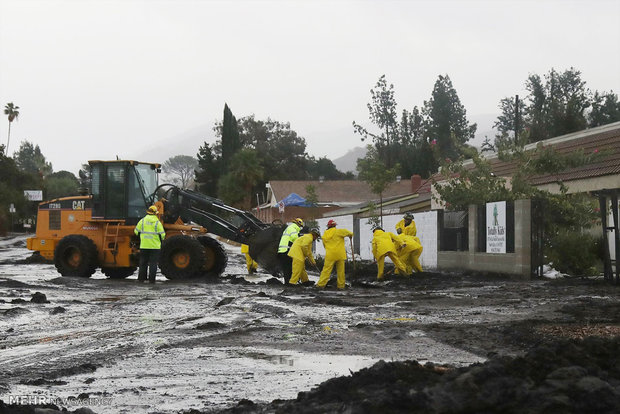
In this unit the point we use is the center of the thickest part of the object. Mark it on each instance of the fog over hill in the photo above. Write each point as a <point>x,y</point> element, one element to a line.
<point>188,143</point>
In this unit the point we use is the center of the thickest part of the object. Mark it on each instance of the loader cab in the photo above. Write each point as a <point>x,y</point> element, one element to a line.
<point>122,189</point>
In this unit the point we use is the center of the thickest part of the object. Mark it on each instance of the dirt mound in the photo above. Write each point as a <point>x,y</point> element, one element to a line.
<point>576,376</point>
<point>39,409</point>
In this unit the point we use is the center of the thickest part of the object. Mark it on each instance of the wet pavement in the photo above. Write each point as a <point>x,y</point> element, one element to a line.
<point>206,345</point>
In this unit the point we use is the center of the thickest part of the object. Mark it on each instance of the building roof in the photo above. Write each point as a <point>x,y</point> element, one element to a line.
<point>340,192</point>
<point>392,205</point>
<point>604,139</point>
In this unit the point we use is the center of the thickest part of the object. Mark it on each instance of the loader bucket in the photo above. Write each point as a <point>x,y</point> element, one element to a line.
<point>263,248</point>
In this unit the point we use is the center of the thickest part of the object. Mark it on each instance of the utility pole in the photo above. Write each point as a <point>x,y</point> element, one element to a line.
<point>516,118</point>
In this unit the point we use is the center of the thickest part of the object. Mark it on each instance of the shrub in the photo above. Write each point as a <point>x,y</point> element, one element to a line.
<point>575,253</point>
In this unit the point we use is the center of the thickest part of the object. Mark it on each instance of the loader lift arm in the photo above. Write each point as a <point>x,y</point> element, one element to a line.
<point>218,218</point>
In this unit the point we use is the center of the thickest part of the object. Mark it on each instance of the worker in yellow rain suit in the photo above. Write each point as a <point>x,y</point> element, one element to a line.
<point>409,252</point>
<point>335,253</point>
<point>383,245</point>
<point>300,250</point>
<point>249,262</point>
<point>406,225</point>
<point>151,233</point>
<point>290,234</point>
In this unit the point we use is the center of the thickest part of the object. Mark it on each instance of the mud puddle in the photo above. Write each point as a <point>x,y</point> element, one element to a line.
<point>175,379</point>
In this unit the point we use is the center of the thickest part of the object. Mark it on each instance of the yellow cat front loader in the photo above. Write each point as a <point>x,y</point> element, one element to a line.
<point>83,233</point>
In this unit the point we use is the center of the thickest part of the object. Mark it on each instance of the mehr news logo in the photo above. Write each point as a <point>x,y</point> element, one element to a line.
<point>36,399</point>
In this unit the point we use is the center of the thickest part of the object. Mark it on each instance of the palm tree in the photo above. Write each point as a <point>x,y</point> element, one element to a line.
<point>12,112</point>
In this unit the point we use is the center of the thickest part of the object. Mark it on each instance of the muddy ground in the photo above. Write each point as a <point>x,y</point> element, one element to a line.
<point>248,344</point>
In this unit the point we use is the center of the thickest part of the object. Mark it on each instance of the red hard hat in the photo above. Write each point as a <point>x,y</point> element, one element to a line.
<point>331,223</point>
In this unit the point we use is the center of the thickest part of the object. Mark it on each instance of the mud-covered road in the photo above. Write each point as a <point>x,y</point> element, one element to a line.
<point>124,347</point>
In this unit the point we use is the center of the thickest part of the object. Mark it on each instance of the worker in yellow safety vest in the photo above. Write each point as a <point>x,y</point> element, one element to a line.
<point>383,245</point>
<point>335,253</point>
<point>290,234</point>
<point>409,250</point>
<point>299,252</point>
<point>406,225</point>
<point>249,262</point>
<point>151,233</point>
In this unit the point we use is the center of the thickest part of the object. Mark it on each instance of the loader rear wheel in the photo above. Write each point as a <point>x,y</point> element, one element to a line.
<point>215,256</point>
<point>118,272</point>
<point>76,255</point>
<point>181,257</point>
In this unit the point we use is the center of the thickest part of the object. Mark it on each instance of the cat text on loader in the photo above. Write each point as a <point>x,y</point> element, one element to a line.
<point>83,233</point>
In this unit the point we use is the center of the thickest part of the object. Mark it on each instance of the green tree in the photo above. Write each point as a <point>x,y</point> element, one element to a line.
<point>605,109</point>
<point>556,104</point>
<point>446,120</point>
<point>181,169</point>
<point>61,184</point>
<point>230,136</point>
<point>13,182</point>
<point>568,102</point>
<point>413,149</point>
<point>208,172</point>
<point>236,186</point>
<point>372,169</point>
<point>312,198</point>
<point>324,167</point>
<point>373,216</point>
<point>281,151</point>
<point>487,145</point>
<point>30,159</point>
<point>469,184</point>
<point>382,113</point>
<point>506,121</point>
<point>408,142</point>
<point>281,154</point>
<point>12,112</point>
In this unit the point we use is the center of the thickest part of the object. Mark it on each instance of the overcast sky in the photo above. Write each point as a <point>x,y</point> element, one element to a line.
<point>95,79</point>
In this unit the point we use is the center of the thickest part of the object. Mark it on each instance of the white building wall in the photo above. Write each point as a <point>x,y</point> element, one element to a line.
<point>426,224</point>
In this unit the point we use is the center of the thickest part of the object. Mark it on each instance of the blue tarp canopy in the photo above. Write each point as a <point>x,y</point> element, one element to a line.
<point>294,199</point>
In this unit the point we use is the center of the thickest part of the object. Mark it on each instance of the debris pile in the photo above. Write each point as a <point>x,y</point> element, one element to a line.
<point>572,376</point>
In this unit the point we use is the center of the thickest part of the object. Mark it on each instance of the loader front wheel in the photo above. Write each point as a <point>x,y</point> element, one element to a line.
<point>76,255</point>
<point>181,257</point>
<point>215,256</point>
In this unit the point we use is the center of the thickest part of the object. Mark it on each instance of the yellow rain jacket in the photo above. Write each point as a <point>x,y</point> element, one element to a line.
<point>151,232</point>
<point>409,252</point>
<point>410,243</point>
<point>383,243</point>
<point>335,254</point>
<point>333,240</point>
<point>302,248</point>
<point>409,230</point>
